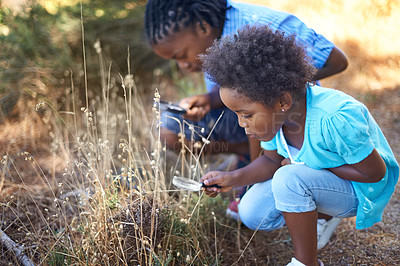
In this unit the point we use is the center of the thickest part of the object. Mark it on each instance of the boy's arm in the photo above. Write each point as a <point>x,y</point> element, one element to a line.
<point>370,170</point>
<point>260,170</point>
<point>336,62</point>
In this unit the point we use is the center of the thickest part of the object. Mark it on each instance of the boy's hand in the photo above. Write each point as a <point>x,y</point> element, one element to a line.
<point>197,106</point>
<point>224,179</point>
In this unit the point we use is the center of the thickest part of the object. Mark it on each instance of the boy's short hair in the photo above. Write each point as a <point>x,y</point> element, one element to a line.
<point>164,17</point>
<point>259,63</point>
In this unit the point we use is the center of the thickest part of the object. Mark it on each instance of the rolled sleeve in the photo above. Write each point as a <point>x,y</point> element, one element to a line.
<point>320,51</point>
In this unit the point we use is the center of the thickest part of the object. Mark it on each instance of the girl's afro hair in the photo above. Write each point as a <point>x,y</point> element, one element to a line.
<point>259,63</point>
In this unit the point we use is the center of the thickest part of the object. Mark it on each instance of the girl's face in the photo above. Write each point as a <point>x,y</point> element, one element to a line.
<point>260,122</point>
<point>185,46</point>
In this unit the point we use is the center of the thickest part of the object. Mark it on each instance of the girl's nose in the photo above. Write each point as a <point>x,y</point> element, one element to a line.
<point>242,123</point>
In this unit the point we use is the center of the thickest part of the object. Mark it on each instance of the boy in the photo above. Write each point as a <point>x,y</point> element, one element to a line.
<point>183,29</point>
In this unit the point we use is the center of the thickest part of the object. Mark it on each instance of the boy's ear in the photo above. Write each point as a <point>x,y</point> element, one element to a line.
<point>206,30</point>
<point>286,101</point>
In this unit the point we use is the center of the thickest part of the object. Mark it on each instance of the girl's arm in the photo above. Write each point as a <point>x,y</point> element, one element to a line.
<point>261,169</point>
<point>254,148</point>
<point>336,62</point>
<point>370,170</point>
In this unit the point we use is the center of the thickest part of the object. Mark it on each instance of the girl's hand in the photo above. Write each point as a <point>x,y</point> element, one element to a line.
<point>259,170</point>
<point>224,179</point>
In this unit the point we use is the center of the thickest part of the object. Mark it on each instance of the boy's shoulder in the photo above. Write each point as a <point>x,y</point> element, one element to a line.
<point>253,13</point>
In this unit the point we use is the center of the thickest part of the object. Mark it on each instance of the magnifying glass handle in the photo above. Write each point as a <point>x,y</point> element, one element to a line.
<point>214,185</point>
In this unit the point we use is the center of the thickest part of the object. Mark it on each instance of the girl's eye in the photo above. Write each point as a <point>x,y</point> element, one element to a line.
<point>246,116</point>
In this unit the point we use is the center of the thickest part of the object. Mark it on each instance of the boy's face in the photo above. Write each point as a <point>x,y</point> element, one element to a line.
<point>185,46</point>
<point>260,122</point>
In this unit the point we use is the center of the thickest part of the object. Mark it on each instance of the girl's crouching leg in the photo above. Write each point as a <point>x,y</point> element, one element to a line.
<point>299,188</point>
<point>257,208</point>
<point>290,191</point>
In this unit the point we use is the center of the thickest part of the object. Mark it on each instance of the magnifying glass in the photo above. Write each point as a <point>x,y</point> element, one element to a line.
<point>190,184</point>
<point>174,108</point>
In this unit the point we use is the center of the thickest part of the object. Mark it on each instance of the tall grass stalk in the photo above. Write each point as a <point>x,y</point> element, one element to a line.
<point>113,203</point>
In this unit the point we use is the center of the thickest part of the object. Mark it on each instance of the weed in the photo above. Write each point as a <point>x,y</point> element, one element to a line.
<point>59,256</point>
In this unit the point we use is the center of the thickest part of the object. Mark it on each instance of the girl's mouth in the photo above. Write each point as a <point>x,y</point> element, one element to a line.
<point>253,136</point>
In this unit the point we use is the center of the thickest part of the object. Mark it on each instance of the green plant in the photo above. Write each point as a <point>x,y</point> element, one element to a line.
<point>59,256</point>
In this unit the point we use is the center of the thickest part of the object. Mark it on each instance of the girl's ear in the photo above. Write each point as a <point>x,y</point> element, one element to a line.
<point>286,101</point>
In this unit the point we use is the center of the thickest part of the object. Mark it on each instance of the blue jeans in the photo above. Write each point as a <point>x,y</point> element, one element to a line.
<point>227,128</point>
<point>296,188</point>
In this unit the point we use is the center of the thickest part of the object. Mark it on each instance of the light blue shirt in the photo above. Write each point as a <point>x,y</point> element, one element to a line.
<point>317,46</point>
<point>340,130</point>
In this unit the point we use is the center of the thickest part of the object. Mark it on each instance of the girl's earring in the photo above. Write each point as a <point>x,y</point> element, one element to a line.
<point>283,110</point>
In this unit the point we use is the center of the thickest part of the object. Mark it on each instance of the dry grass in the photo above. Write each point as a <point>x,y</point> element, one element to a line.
<point>88,185</point>
<point>91,186</point>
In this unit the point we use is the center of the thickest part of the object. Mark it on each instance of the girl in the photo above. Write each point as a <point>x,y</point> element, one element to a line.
<point>324,155</point>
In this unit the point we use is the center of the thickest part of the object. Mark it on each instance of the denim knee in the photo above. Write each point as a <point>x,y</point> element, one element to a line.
<point>257,209</point>
<point>290,192</point>
<point>283,180</point>
<point>248,216</point>
<point>251,218</point>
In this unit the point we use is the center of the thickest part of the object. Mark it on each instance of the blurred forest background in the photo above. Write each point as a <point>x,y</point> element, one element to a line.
<point>58,56</point>
<point>47,35</point>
